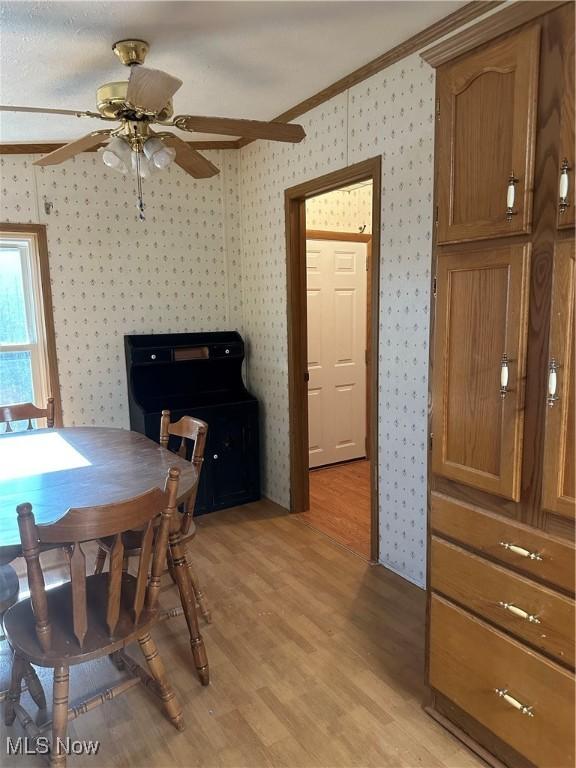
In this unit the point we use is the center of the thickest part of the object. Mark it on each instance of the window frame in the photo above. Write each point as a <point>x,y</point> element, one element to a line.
<point>39,283</point>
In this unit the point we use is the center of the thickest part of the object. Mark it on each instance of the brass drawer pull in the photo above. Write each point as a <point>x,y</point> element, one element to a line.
<point>522,708</point>
<point>519,612</point>
<point>520,551</point>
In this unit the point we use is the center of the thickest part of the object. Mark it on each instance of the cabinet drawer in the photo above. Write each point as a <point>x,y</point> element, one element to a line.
<point>470,663</point>
<point>552,558</point>
<point>499,595</point>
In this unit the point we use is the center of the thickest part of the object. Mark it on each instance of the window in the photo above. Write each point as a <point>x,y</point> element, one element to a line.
<point>28,371</point>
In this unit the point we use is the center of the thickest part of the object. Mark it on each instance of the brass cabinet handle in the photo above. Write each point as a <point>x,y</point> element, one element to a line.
<point>552,395</point>
<point>510,197</point>
<point>522,708</point>
<point>504,376</point>
<point>520,551</point>
<point>519,612</point>
<point>563,203</point>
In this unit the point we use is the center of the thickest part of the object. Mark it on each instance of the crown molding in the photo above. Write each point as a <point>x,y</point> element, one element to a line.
<point>509,18</point>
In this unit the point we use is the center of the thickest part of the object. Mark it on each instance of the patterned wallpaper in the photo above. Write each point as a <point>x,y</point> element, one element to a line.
<point>344,210</point>
<point>112,275</point>
<point>212,255</point>
<point>391,114</point>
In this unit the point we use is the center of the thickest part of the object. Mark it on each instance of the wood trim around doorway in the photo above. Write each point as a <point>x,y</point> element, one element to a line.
<point>296,234</point>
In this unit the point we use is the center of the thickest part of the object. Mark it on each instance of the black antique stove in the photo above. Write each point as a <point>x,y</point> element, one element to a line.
<point>200,374</point>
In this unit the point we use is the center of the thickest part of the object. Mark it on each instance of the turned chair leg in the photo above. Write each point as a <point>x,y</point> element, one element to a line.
<point>170,703</point>
<point>100,560</point>
<point>59,716</point>
<point>187,599</point>
<point>13,696</point>
<point>199,594</point>
<point>34,686</point>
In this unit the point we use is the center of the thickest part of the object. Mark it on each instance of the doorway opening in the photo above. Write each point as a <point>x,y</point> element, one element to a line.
<point>333,227</point>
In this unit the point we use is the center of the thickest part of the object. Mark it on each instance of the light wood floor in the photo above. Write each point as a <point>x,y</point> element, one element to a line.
<point>340,504</point>
<point>316,660</point>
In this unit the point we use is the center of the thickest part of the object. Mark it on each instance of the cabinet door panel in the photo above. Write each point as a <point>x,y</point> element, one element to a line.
<point>558,485</point>
<point>567,156</point>
<point>486,133</point>
<point>481,312</point>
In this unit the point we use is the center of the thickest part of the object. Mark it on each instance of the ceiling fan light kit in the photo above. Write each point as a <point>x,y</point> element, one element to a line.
<point>143,100</point>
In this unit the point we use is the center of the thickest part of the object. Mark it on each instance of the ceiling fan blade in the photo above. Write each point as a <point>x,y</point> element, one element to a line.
<point>248,129</point>
<point>73,148</point>
<point>46,111</point>
<point>150,90</point>
<point>189,159</point>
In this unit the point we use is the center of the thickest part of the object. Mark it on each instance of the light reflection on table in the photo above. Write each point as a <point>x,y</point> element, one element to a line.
<point>33,454</point>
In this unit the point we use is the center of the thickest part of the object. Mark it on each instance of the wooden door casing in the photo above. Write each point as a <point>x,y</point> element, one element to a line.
<point>558,483</point>
<point>567,154</point>
<point>481,315</point>
<point>486,133</point>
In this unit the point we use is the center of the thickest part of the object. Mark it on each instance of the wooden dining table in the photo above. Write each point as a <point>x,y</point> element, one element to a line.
<point>73,467</point>
<point>58,469</point>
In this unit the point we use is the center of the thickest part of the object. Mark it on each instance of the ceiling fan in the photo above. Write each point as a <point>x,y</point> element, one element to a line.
<point>140,102</point>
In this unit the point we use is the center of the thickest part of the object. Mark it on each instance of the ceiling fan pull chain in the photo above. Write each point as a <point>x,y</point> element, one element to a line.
<point>140,202</point>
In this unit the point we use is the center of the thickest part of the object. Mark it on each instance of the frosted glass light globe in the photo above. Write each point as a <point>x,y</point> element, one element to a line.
<point>158,153</point>
<point>116,155</point>
<point>164,157</point>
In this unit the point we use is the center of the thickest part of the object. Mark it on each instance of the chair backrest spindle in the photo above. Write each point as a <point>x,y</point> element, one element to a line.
<point>78,579</point>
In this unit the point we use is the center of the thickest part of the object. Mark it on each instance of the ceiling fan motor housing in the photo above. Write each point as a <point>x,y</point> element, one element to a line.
<point>111,102</point>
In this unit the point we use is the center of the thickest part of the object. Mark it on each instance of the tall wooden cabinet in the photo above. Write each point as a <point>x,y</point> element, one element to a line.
<point>502,506</point>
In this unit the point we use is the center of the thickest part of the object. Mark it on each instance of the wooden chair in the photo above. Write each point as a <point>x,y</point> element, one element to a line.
<point>26,411</point>
<point>94,616</point>
<point>188,441</point>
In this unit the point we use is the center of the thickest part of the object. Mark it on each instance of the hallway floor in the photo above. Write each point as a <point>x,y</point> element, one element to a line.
<point>340,504</point>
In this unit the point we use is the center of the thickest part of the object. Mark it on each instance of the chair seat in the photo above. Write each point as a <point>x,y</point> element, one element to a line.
<point>19,624</point>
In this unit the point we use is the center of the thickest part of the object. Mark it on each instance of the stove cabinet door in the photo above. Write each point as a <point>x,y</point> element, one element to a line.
<point>233,456</point>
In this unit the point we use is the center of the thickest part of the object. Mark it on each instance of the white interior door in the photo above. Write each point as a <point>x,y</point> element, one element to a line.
<point>336,287</point>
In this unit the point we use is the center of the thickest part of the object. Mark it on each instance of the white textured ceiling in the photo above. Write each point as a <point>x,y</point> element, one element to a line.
<point>237,59</point>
